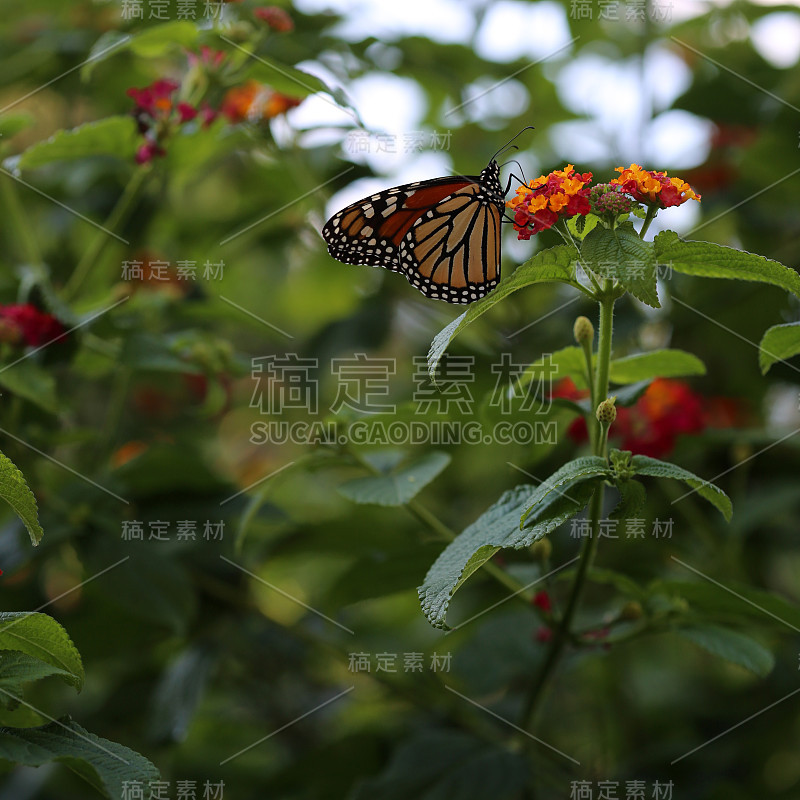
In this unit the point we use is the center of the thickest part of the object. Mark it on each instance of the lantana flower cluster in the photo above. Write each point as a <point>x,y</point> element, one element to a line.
<point>564,193</point>
<point>654,188</point>
<point>162,108</point>
<point>542,202</point>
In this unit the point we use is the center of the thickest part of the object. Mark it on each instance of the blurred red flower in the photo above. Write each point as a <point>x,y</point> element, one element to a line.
<point>277,18</point>
<point>26,323</point>
<point>667,409</point>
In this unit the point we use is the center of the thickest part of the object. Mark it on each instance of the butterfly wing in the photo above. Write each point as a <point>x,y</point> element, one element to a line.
<point>442,234</point>
<point>452,252</point>
<point>370,231</point>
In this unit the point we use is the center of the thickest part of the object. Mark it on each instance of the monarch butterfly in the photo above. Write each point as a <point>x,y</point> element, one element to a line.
<point>443,234</point>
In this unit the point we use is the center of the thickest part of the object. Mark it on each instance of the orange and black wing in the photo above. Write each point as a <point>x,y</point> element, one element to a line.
<point>442,234</point>
<point>452,252</point>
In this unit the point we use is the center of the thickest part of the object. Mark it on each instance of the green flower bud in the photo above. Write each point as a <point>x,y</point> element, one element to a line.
<point>583,330</point>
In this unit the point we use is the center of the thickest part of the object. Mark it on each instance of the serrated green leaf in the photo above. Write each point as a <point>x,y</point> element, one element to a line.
<point>656,364</point>
<point>730,645</point>
<point>18,669</point>
<point>620,254</point>
<point>15,491</point>
<point>113,136</point>
<point>398,486</point>
<point>644,465</point>
<point>709,260</point>
<point>581,225</point>
<point>570,474</point>
<point>632,496</point>
<point>496,528</point>
<point>28,380</point>
<point>40,636</point>
<point>777,344</point>
<point>105,765</point>
<point>553,264</point>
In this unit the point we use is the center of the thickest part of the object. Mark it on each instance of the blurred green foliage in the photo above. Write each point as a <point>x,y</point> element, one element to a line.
<point>195,649</point>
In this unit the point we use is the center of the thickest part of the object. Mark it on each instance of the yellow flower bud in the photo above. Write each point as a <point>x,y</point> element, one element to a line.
<point>607,411</point>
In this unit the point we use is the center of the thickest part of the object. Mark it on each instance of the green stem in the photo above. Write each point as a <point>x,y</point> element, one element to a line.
<point>563,632</point>
<point>115,219</point>
<point>603,356</point>
<point>651,215</point>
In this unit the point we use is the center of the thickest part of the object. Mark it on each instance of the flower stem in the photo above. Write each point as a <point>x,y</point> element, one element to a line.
<point>117,216</point>
<point>563,632</point>
<point>650,216</point>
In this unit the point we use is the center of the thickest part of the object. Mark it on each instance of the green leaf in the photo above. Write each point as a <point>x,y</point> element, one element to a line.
<point>553,264</point>
<point>628,395</point>
<point>12,124</point>
<point>105,765</point>
<point>398,486</point>
<point>569,362</point>
<point>779,343</point>
<point>18,669</point>
<point>178,694</point>
<point>284,79</point>
<point>739,600</point>
<point>732,646</point>
<point>580,469</point>
<point>620,254</point>
<point>113,136</point>
<point>153,42</point>
<point>496,528</point>
<point>43,638</point>
<point>30,381</point>
<point>15,491</point>
<point>581,225</point>
<point>709,260</point>
<point>632,498</point>
<point>448,764</point>
<point>656,364</point>
<point>644,465</point>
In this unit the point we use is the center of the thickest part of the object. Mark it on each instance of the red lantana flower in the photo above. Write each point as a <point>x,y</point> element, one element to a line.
<point>30,325</point>
<point>542,202</point>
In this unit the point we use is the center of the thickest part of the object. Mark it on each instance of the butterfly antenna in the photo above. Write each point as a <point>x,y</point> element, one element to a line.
<point>508,143</point>
<point>514,161</point>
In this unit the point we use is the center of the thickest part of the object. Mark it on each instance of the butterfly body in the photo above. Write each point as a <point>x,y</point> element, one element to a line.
<point>442,234</point>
